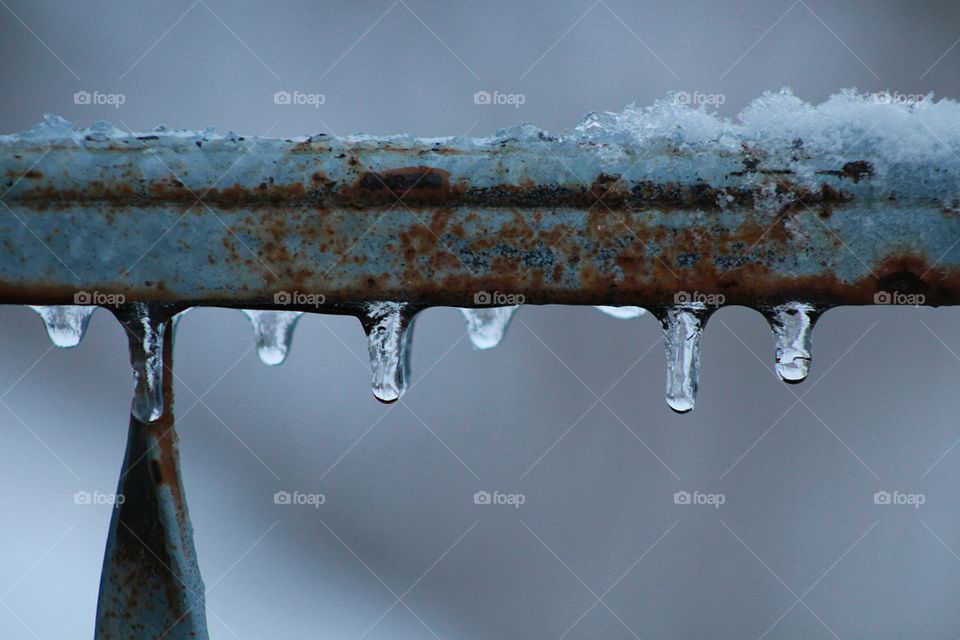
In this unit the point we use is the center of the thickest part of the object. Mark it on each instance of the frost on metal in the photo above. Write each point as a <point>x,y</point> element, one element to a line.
<point>895,136</point>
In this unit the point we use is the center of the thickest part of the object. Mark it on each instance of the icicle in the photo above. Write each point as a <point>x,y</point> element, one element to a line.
<point>487,326</point>
<point>389,328</point>
<point>66,324</point>
<point>793,331</point>
<point>146,327</point>
<point>623,313</point>
<point>274,332</point>
<point>682,327</point>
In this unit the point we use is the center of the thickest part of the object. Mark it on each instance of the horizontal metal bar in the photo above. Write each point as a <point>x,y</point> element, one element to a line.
<point>196,218</point>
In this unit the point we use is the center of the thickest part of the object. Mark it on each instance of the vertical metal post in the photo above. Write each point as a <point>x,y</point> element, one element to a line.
<point>151,585</point>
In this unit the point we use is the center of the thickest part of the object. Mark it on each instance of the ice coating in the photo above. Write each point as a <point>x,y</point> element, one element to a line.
<point>487,326</point>
<point>274,333</point>
<point>66,324</point>
<point>146,331</point>
<point>896,129</point>
<point>622,313</point>
<point>389,328</point>
<point>682,328</point>
<point>900,139</point>
<point>52,129</point>
<point>919,128</point>
<point>793,331</point>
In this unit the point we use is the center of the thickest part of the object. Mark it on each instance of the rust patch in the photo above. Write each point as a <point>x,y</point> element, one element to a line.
<point>857,170</point>
<point>418,184</point>
<point>424,187</point>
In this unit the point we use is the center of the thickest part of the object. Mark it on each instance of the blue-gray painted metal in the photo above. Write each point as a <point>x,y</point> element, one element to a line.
<point>573,219</point>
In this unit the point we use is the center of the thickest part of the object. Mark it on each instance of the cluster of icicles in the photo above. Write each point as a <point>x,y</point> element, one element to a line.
<point>389,329</point>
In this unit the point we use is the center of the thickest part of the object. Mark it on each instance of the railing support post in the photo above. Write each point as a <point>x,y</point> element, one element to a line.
<point>150,586</point>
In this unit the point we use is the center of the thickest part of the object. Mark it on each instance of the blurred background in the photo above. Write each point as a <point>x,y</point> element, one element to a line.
<point>568,412</point>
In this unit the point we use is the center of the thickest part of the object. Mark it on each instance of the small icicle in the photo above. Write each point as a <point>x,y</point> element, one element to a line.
<point>623,313</point>
<point>683,326</point>
<point>487,326</point>
<point>389,328</point>
<point>274,333</point>
<point>66,324</point>
<point>793,331</point>
<point>146,328</point>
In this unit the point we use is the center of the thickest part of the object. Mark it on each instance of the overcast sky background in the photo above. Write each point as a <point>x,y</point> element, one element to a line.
<point>598,475</point>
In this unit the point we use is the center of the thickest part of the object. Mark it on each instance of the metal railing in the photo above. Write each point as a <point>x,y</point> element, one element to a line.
<point>149,225</point>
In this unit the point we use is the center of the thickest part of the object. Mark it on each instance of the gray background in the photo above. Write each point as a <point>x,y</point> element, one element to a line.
<point>799,549</point>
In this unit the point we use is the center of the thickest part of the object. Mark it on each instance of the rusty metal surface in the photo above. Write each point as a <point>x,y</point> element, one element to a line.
<point>150,586</point>
<point>223,220</point>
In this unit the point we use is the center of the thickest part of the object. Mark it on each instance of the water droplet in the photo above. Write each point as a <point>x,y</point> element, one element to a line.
<point>66,324</point>
<point>389,328</point>
<point>792,325</point>
<point>487,326</point>
<point>682,327</point>
<point>623,313</point>
<point>274,333</point>
<point>146,327</point>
